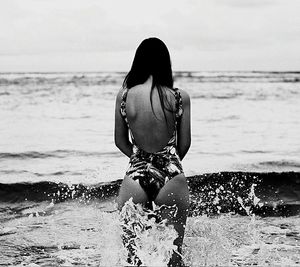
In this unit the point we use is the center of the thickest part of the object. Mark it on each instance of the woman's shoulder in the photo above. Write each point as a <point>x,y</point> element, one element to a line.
<point>184,95</point>
<point>181,91</point>
<point>121,94</point>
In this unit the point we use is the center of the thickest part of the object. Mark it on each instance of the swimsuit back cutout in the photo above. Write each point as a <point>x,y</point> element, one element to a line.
<point>178,114</point>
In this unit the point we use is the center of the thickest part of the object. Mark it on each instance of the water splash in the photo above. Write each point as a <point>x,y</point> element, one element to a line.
<point>148,239</point>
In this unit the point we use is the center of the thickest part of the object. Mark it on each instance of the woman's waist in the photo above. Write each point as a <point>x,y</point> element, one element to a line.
<point>167,151</point>
<point>141,161</point>
<point>160,159</point>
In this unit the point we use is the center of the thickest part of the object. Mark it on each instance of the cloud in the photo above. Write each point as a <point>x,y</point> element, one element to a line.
<point>247,3</point>
<point>56,26</point>
<point>208,28</point>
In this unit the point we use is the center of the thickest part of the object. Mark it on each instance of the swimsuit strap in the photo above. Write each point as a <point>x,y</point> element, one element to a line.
<point>123,111</point>
<point>178,105</point>
<point>123,105</point>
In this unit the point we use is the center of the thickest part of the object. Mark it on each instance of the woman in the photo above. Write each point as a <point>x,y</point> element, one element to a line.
<point>152,128</point>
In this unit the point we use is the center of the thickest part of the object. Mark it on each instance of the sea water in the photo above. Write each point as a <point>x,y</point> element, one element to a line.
<point>58,127</point>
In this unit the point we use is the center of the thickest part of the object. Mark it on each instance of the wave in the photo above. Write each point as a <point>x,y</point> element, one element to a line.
<point>61,78</point>
<point>225,118</point>
<point>52,191</point>
<point>58,173</point>
<point>4,93</point>
<point>279,193</point>
<point>100,78</point>
<point>215,96</point>
<point>280,163</point>
<point>240,76</point>
<point>256,151</point>
<point>54,154</point>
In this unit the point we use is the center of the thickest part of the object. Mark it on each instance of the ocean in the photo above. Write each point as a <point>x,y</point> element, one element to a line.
<point>60,170</point>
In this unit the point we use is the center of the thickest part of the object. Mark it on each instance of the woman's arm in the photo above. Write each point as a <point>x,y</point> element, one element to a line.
<point>184,126</point>
<point>121,129</point>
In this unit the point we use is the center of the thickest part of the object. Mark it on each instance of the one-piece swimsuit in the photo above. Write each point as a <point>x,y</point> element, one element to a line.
<point>153,170</point>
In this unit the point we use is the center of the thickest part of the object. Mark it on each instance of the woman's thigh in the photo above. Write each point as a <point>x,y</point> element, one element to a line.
<point>131,189</point>
<point>175,192</point>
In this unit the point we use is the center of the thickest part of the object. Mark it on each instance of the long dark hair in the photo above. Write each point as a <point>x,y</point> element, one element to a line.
<point>152,58</point>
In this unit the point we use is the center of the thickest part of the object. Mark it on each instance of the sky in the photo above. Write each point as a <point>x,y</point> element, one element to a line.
<point>102,35</point>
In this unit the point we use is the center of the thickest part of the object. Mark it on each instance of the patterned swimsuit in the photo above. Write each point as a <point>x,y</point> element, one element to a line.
<point>153,170</point>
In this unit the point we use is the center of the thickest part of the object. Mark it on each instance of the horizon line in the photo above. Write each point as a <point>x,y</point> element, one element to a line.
<point>175,71</point>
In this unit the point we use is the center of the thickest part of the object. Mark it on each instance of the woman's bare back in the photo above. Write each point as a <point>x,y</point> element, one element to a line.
<point>149,128</point>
